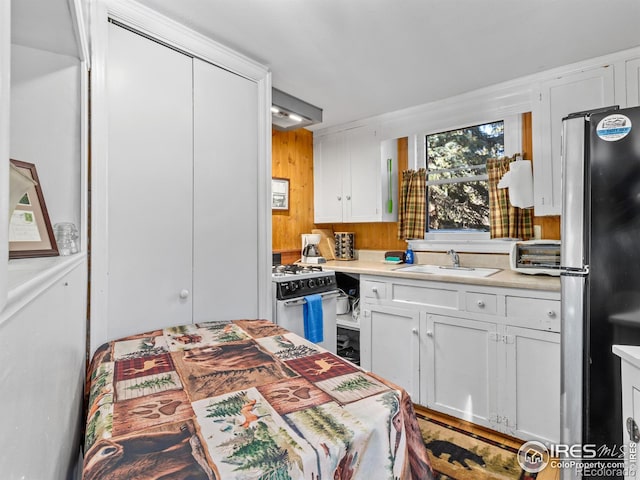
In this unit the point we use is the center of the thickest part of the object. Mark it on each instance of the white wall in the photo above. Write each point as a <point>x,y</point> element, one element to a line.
<point>45,127</point>
<point>5,53</point>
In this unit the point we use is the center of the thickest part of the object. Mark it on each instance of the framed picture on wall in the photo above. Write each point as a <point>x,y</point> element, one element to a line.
<point>280,194</point>
<point>30,232</point>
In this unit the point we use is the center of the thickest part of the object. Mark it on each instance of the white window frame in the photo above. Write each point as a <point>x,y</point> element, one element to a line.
<point>466,241</point>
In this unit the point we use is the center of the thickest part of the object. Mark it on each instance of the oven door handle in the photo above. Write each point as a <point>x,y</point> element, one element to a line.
<point>302,301</point>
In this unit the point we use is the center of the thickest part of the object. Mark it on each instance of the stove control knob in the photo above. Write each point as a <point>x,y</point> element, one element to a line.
<point>312,283</point>
<point>293,286</point>
<point>321,281</point>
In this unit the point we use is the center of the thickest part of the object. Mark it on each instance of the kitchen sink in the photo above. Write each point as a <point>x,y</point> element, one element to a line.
<point>444,270</point>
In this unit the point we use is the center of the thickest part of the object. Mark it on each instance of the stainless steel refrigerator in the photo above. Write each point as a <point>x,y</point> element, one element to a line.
<point>600,274</point>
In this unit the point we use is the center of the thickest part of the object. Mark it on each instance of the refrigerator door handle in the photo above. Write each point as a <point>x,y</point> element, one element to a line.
<point>573,314</point>
<point>575,272</point>
<point>573,251</point>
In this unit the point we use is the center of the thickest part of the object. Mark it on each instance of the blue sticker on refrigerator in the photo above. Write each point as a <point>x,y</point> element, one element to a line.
<point>613,127</point>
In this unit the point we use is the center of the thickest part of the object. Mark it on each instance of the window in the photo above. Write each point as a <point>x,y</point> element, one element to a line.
<point>457,182</point>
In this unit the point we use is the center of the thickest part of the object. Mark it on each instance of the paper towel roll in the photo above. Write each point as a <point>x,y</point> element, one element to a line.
<point>519,180</point>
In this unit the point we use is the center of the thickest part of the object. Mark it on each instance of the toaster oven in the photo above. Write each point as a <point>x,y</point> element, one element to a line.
<point>536,257</point>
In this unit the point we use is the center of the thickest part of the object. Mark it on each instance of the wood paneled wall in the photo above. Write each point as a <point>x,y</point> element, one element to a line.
<point>292,158</point>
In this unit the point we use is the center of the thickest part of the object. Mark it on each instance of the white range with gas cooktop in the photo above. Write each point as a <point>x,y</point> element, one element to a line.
<point>291,285</point>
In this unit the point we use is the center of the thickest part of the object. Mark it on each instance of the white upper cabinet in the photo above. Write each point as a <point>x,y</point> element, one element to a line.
<point>362,184</point>
<point>352,179</point>
<point>632,68</point>
<point>329,160</point>
<point>573,92</point>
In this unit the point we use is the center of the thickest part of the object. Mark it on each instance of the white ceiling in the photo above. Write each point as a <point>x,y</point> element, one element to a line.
<point>359,58</point>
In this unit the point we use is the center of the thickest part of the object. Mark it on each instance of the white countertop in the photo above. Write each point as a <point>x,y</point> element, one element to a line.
<point>504,278</point>
<point>630,353</point>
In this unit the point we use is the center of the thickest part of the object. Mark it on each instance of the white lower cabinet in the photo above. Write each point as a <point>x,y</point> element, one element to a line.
<point>630,385</point>
<point>531,408</point>
<point>469,353</point>
<point>458,368</point>
<point>503,377</point>
<point>390,345</point>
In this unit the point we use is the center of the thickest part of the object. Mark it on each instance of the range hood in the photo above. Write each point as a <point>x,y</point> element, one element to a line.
<point>290,113</point>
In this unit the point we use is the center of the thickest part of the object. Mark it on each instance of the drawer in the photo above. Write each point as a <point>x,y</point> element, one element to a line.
<point>432,297</point>
<point>372,289</point>
<point>539,313</point>
<point>481,302</point>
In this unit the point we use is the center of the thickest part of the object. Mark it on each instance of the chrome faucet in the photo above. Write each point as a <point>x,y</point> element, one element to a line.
<point>454,258</point>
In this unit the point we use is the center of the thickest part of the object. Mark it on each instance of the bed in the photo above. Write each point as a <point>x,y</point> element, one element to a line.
<point>243,399</point>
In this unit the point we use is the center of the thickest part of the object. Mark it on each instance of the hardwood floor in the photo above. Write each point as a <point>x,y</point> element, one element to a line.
<point>547,474</point>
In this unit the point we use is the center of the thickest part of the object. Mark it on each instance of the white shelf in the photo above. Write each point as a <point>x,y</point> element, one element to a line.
<point>346,321</point>
<point>56,26</point>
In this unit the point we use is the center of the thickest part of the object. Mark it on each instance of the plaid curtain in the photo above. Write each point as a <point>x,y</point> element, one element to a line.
<point>506,221</point>
<point>412,208</point>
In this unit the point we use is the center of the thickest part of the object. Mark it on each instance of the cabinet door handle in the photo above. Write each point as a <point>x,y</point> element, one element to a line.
<point>551,313</point>
<point>374,289</point>
<point>429,333</point>
<point>414,331</point>
<point>184,293</point>
<point>480,303</point>
<point>348,197</point>
<point>339,198</point>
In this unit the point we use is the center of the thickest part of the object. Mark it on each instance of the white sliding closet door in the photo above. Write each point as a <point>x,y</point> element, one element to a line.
<point>149,185</point>
<point>225,267</point>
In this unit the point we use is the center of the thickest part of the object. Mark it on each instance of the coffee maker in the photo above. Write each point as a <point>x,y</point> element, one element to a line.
<point>310,248</point>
